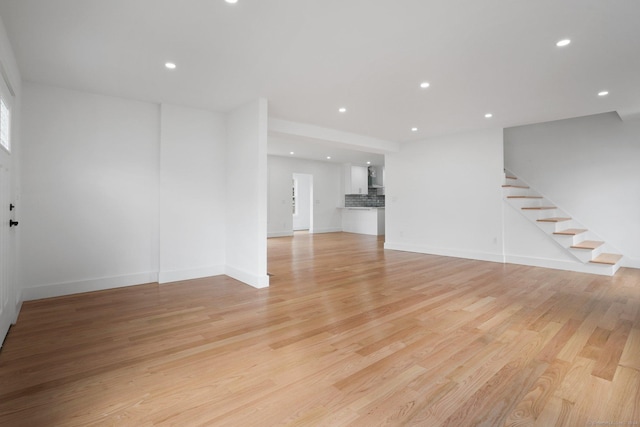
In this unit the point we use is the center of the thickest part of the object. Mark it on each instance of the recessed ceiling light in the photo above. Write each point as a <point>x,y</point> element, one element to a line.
<point>488,116</point>
<point>368,163</point>
<point>414,129</point>
<point>170,65</point>
<point>424,85</point>
<point>603,93</point>
<point>231,1</point>
<point>328,157</point>
<point>292,153</point>
<point>342,110</point>
<point>563,43</point>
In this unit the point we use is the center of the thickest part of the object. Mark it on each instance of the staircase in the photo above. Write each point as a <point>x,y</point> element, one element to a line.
<point>585,246</point>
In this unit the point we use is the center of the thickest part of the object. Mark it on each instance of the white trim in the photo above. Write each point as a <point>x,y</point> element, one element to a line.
<point>286,233</point>
<point>6,323</point>
<point>591,268</point>
<point>327,230</point>
<point>456,253</point>
<point>6,320</point>
<point>248,278</point>
<point>196,273</point>
<point>90,285</point>
<point>630,262</point>
<point>295,195</point>
<point>7,147</point>
<point>280,234</point>
<point>17,312</point>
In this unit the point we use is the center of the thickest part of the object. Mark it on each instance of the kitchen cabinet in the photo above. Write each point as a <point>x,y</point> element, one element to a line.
<point>363,221</point>
<point>356,179</point>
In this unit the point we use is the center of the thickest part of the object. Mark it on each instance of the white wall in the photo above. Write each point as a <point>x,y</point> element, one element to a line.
<point>444,196</point>
<point>118,192</point>
<point>247,194</point>
<point>587,166</point>
<point>89,214</point>
<point>302,217</point>
<point>192,193</point>
<point>327,194</point>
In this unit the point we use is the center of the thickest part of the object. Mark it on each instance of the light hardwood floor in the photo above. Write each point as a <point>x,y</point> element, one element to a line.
<point>347,334</point>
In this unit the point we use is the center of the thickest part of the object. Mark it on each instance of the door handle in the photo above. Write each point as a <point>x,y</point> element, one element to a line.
<point>12,223</point>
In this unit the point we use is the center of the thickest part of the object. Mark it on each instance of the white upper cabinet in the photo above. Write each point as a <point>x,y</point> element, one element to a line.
<point>356,179</point>
<point>359,180</point>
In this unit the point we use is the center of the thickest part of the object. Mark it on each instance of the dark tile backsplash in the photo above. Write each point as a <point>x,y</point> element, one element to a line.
<point>371,200</point>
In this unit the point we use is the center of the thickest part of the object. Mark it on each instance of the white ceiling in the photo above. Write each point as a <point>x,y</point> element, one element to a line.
<point>310,57</point>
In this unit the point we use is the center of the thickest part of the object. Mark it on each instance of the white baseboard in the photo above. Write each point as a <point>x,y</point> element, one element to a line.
<point>279,234</point>
<point>180,275</point>
<point>327,230</point>
<point>630,262</point>
<point>600,269</point>
<point>250,279</point>
<point>69,288</point>
<point>578,267</point>
<point>60,289</point>
<point>286,233</point>
<point>18,308</point>
<point>456,253</point>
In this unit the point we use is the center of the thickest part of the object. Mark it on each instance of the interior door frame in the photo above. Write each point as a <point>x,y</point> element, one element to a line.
<point>9,293</point>
<point>309,191</point>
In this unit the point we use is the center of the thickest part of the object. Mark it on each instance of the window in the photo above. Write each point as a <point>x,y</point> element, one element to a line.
<point>5,121</point>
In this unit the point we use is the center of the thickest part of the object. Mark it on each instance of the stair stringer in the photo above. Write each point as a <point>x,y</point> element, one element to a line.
<point>580,257</point>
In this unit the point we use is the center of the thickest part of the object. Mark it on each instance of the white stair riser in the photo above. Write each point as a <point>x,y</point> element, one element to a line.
<point>552,227</point>
<point>603,269</point>
<point>615,268</point>
<point>568,241</point>
<point>518,192</point>
<point>534,215</point>
<point>521,203</point>
<point>586,255</point>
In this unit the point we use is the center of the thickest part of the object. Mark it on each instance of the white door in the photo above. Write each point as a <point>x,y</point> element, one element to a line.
<point>8,291</point>
<point>303,206</point>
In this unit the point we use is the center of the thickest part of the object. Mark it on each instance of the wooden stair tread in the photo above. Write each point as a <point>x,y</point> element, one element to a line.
<point>554,219</point>
<point>511,177</point>
<point>538,208</point>
<point>524,197</point>
<point>514,186</point>
<point>587,244</point>
<point>609,259</point>
<point>570,231</point>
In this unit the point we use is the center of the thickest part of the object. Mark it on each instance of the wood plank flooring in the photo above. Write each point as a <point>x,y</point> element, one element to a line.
<point>347,334</point>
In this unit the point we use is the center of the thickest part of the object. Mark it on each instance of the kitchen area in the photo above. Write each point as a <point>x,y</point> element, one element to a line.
<point>345,193</point>
<point>364,199</point>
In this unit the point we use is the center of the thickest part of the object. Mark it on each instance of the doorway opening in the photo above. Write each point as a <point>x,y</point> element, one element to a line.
<point>302,202</point>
